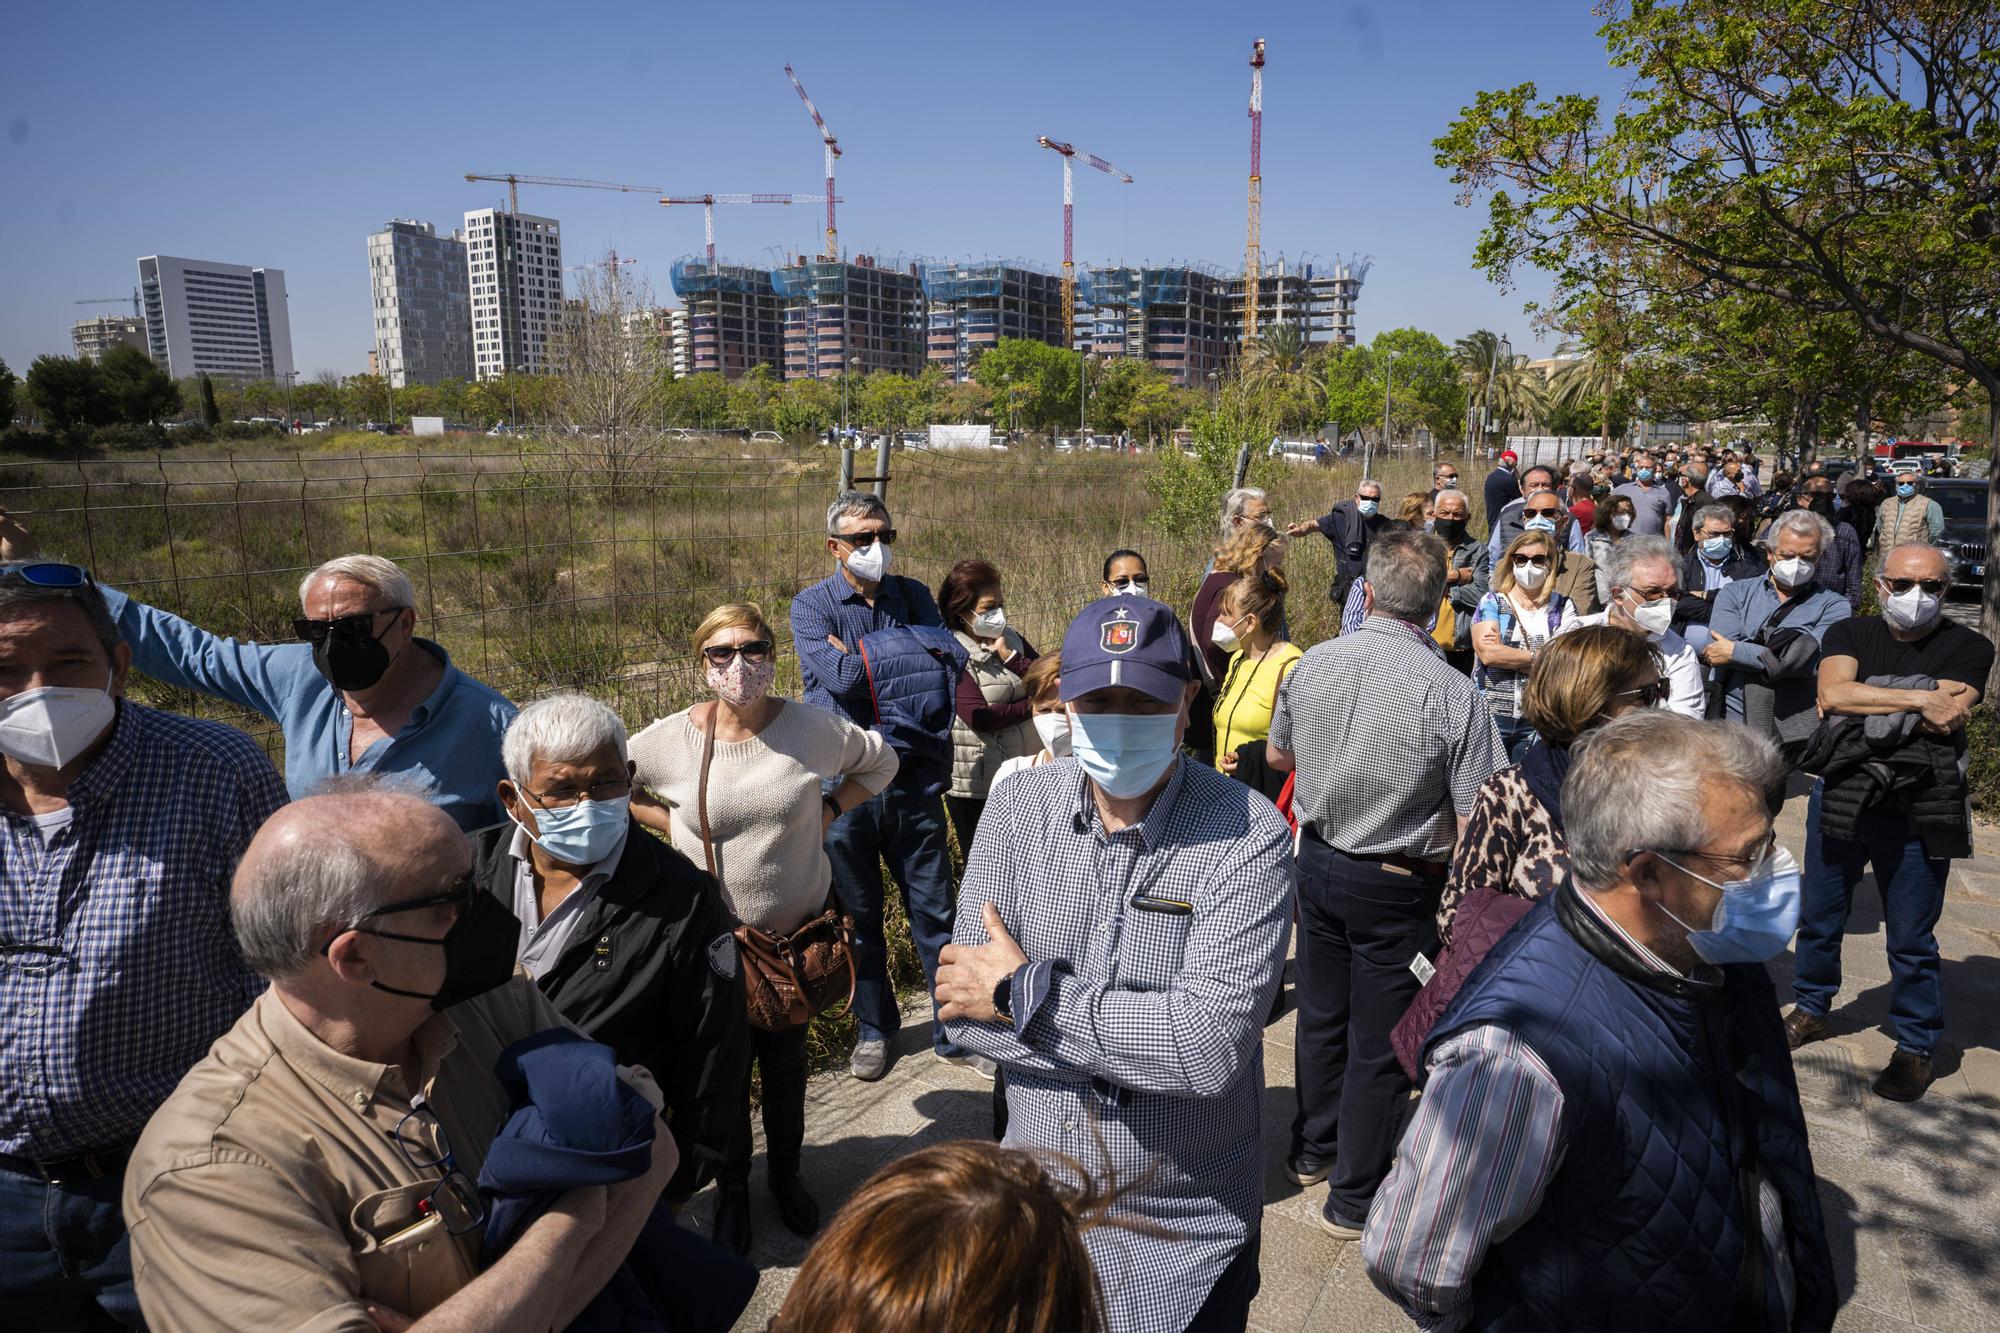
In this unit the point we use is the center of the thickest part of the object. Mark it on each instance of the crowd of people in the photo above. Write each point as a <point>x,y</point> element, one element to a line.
<point>442,1027</point>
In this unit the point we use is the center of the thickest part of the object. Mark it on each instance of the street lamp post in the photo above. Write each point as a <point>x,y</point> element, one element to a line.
<point>1083,368</point>
<point>1213,380</point>
<point>1388,382</point>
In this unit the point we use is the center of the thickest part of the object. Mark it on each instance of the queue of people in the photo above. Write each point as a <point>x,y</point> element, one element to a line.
<point>444,1028</point>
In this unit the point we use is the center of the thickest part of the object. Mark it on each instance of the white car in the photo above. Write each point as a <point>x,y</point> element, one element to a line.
<point>766,437</point>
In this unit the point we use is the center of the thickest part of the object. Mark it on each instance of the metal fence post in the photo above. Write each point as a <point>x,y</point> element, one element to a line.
<point>882,447</point>
<point>1242,465</point>
<point>846,467</point>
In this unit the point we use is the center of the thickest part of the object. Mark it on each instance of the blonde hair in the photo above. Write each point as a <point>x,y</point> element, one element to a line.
<point>1503,572</point>
<point>732,615</point>
<point>1413,507</point>
<point>1251,551</point>
<point>1043,678</point>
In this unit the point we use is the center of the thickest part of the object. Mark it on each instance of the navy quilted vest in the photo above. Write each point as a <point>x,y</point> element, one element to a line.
<point>1668,1089</point>
<point>913,673</point>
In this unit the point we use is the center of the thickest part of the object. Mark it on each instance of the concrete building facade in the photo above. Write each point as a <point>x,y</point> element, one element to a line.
<point>1319,295</point>
<point>515,285</point>
<point>93,337</point>
<point>204,317</point>
<point>973,305</point>
<point>733,319</point>
<point>679,354</point>
<point>1175,318</point>
<point>836,311</point>
<point>423,313</point>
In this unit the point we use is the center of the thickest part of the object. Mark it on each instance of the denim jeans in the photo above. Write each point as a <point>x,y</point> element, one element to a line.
<point>65,1262</point>
<point>907,831</point>
<point>1227,1309</point>
<point>1516,733</point>
<point>1912,888</point>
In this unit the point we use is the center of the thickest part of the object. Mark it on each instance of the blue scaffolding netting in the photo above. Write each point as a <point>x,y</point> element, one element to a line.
<point>693,275</point>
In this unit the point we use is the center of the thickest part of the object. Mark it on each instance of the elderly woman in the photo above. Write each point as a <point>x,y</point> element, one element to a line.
<point>992,723</point>
<point>1520,615</point>
<point>615,927</point>
<point>763,820</point>
<point>1613,521</point>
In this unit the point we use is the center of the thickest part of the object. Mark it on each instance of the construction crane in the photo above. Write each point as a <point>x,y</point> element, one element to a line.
<point>1253,246</point>
<point>1070,153</point>
<point>832,153</point>
<point>709,201</point>
<point>610,265</point>
<point>118,300</point>
<point>514,182</point>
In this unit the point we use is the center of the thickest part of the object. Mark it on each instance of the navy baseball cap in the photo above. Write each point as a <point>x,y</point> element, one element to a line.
<point>1131,641</point>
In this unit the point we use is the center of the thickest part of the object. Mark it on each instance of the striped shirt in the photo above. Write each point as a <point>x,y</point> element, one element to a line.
<point>1389,742</point>
<point>1137,1041</point>
<point>1478,1157</point>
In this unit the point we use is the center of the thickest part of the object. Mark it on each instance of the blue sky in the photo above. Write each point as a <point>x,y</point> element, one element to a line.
<point>282,134</point>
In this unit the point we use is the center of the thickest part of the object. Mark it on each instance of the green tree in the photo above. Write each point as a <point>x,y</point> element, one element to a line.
<point>367,398</point>
<point>1280,363</point>
<point>1428,389</point>
<point>699,402</point>
<point>7,387</point>
<point>139,392</point>
<point>805,407</point>
<point>70,393</point>
<point>968,403</point>
<point>1036,382</point>
<point>888,402</point>
<point>211,411</point>
<point>753,399</point>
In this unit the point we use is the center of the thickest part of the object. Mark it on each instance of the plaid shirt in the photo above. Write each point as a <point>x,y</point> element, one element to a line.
<point>118,964</point>
<point>837,681</point>
<point>1137,1042</point>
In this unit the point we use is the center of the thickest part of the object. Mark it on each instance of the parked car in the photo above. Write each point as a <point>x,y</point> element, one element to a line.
<point>1297,451</point>
<point>912,439</point>
<point>766,437</point>
<point>1963,500</point>
<point>1066,444</point>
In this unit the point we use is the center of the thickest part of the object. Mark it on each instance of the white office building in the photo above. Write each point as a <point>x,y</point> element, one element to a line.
<point>217,319</point>
<point>423,318</point>
<point>680,351</point>
<point>514,276</point>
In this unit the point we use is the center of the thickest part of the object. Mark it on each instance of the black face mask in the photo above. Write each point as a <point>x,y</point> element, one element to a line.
<point>1820,504</point>
<point>351,664</point>
<point>1452,530</point>
<point>478,952</point>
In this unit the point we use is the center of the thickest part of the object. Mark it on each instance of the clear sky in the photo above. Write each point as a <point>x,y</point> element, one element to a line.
<point>282,134</point>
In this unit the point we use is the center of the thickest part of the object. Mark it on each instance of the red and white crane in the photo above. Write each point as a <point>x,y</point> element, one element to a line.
<point>709,201</point>
<point>1071,153</point>
<point>1253,249</point>
<point>832,154</point>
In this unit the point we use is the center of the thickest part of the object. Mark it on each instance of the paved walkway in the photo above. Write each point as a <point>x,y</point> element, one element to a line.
<point>1912,1193</point>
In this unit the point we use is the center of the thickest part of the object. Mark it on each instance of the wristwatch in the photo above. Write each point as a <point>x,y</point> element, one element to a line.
<point>831,804</point>
<point>1003,997</point>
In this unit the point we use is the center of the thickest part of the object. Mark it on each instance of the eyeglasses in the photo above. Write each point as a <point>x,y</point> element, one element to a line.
<point>1748,859</point>
<point>1545,511</point>
<point>360,625</point>
<point>562,798</point>
<point>722,654</point>
<point>456,893</point>
<point>1648,694</point>
<point>1531,562</point>
<point>861,541</point>
<point>1935,587</point>
<point>47,574</point>
<point>1124,581</point>
<point>424,1147</point>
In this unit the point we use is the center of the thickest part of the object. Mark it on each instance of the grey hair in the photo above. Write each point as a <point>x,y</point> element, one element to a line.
<point>1406,571</point>
<point>1708,512</point>
<point>1634,551</point>
<point>1801,521</point>
<point>1915,479</point>
<point>287,896</point>
<point>1637,785</point>
<point>17,595</point>
<point>1238,500</point>
<point>562,727</point>
<point>1368,481</point>
<point>1943,553</point>
<point>854,504</point>
<point>372,571</point>
<point>1453,491</point>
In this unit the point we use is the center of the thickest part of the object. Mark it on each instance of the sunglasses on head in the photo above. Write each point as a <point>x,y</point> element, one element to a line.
<point>360,625</point>
<point>861,541</point>
<point>46,574</point>
<point>1935,587</point>
<point>722,654</point>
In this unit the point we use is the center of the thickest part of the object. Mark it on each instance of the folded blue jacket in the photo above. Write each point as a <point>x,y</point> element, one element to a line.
<point>574,1122</point>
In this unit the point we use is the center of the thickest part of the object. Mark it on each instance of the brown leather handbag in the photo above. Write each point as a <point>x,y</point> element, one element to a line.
<point>786,978</point>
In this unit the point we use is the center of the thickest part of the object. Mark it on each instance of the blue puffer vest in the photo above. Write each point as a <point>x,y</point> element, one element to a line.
<point>1673,1092</point>
<point>913,673</point>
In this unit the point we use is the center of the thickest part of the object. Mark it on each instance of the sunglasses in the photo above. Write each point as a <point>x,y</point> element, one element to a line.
<point>360,625</point>
<point>1531,562</point>
<point>722,654</point>
<point>1935,587</point>
<point>1648,695</point>
<point>1130,581</point>
<point>47,574</point>
<point>861,541</point>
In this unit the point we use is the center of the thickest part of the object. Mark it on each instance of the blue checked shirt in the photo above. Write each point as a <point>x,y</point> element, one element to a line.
<point>448,752</point>
<point>836,681</point>
<point>1137,1041</point>
<point>118,963</point>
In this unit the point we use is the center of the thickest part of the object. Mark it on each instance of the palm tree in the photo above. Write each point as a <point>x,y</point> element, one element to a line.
<point>1279,365</point>
<point>1592,379</point>
<point>1480,366</point>
<point>1520,393</point>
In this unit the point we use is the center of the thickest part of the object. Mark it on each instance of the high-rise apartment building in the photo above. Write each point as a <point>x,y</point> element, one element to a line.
<point>973,305</point>
<point>93,337</point>
<point>680,354</point>
<point>423,316</point>
<point>515,282</point>
<point>1176,318</point>
<point>837,312</point>
<point>218,319</point>
<point>734,319</point>
<point>1320,296</point>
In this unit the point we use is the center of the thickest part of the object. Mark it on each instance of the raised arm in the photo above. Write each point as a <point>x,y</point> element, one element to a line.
<point>177,652</point>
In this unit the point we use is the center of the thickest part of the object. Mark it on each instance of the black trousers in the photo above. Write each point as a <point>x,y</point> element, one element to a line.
<point>1360,923</point>
<point>964,812</point>
<point>1227,1309</point>
<point>781,1058</point>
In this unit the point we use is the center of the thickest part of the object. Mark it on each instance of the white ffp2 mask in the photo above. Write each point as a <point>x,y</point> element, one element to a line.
<point>52,725</point>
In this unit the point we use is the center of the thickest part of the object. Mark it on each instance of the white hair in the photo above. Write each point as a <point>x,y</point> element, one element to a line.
<point>371,571</point>
<point>1803,522</point>
<point>563,728</point>
<point>1634,551</point>
<point>862,505</point>
<point>1450,493</point>
<point>1234,503</point>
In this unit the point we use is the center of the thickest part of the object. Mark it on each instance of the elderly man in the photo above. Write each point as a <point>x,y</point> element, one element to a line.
<point>1733,479</point>
<point>1390,746</point>
<point>316,1168</point>
<point>1444,477</point>
<point>360,692</point>
<point>1643,586</point>
<point>1350,525</point>
<point>1715,561</point>
<point>1651,499</point>
<point>1908,515</point>
<point>1616,1067</point>
<point>1692,497</point>
<point>1467,570</point>
<point>899,824</point>
<point>1501,486</point>
<point>622,932</point>
<point>1537,480</point>
<point>119,827</point>
<point>1121,933</point>
<point>1764,634</point>
<point>1912,677</point>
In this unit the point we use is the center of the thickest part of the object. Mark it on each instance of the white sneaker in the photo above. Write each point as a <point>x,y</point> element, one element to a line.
<point>870,1060</point>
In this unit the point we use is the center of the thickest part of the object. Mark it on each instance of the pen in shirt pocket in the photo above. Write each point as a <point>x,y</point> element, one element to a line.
<point>1146,902</point>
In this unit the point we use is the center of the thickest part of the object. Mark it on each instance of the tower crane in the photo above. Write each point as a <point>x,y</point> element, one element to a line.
<point>1253,246</point>
<point>137,313</point>
<point>514,182</point>
<point>709,201</point>
<point>832,154</point>
<point>1069,154</point>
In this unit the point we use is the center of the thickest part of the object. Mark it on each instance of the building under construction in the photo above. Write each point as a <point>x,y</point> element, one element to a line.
<point>1317,294</point>
<point>1176,318</point>
<point>836,311</point>
<point>975,304</point>
<point>734,320</point>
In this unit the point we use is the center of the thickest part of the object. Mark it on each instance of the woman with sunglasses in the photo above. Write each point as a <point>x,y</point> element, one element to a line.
<point>766,823</point>
<point>1515,620</point>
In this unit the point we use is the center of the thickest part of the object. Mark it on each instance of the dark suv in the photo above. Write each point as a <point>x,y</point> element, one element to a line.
<point>1963,500</point>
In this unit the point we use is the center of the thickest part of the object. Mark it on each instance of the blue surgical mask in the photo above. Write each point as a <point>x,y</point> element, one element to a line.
<point>1644,474</point>
<point>1539,523</point>
<point>1124,753</point>
<point>1367,507</point>
<point>1905,490</point>
<point>583,834</point>
<point>1756,915</point>
<point>1717,547</point>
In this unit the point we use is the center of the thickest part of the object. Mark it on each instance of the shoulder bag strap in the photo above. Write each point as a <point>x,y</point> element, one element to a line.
<point>701,797</point>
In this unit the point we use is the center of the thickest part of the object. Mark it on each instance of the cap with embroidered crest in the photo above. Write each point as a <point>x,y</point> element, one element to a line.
<point>1130,641</point>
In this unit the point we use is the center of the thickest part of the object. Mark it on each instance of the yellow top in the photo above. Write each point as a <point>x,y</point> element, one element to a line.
<point>1248,694</point>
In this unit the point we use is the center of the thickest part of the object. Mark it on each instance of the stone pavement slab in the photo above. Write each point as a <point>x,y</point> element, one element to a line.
<point>1912,1193</point>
